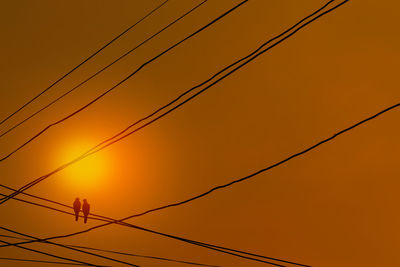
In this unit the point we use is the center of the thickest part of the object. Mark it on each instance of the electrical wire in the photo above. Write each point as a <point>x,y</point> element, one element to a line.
<point>89,152</point>
<point>123,80</point>
<point>48,254</point>
<point>241,179</point>
<point>83,62</point>
<point>326,140</point>
<point>67,247</point>
<point>107,219</point>
<point>103,69</point>
<point>125,253</point>
<point>40,261</point>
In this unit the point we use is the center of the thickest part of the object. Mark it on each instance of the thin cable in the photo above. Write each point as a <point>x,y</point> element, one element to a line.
<point>146,256</point>
<point>124,80</point>
<point>87,153</point>
<point>125,253</point>
<point>177,106</point>
<point>48,254</point>
<point>70,248</point>
<point>108,219</point>
<point>262,170</point>
<point>343,2</point>
<point>272,166</point>
<point>103,69</point>
<point>174,237</point>
<point>37,197</point>
<point>39,261</point>
<point>198,243</point>
<point>80,64</point>
<point>208,80</point>
<point>83,62</point>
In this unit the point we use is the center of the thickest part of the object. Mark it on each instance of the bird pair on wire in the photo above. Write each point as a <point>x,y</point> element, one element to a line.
<point>85,209</point>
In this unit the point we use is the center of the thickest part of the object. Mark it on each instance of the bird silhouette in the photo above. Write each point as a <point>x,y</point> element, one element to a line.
<point>77,208</point>
<point>86,209</point>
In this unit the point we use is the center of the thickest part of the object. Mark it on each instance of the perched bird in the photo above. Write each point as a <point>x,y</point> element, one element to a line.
<point>77,208</point>
<point>86,209</point>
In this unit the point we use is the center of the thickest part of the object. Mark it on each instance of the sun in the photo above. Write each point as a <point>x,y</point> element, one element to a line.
<point>88,173</point>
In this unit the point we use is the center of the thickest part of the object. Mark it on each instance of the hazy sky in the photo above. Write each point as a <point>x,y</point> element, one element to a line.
<point>335,206</point>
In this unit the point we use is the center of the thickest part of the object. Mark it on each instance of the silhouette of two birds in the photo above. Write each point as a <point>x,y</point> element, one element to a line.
<point>85,209</point>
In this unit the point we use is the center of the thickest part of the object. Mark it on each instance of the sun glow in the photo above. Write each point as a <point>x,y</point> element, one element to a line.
<point>90,172</point>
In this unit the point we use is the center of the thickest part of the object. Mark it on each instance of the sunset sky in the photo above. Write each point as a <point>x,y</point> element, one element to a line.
<point>335,206</point>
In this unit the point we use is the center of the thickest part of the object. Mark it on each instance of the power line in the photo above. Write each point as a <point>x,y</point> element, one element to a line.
<point>125,253</point>
<point>67,247</point>
<point>83,62</point>
<point>214,189</point>
<point>95,218</point>
<point>61,245</point>
<point>206,81</point>
<point>271,166</point>
<point>124,80</point>
<point>108,219</point>
<point>27,186</point>
<point>262,170</point>
<point>252,57</point>
<point>198,243</point>
<point>147,256</point>
<point>241,179</point>
<point>64,246</point>
<point>39,261</point>
<point>103,69</point>
<point>102,218</point>
<point>295,155</point>
<point>48,254</point>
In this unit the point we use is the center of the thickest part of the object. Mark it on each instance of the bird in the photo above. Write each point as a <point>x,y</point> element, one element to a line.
<point>86,209</point>
<point>77,208</point>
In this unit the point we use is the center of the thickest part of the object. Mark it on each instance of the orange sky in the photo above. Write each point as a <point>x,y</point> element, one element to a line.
<point>336,206</point>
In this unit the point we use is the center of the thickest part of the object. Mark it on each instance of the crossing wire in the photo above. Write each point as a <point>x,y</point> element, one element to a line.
<point>83,62</point>
<point>122,81</point>
<point>66,247</point>
<point>101,70</point>
<point>198,243</point>
<point>48,254</point>
<point>89,152</point>
<point>263,170</point>
<point>122,253</point>
<point>40,261</point>
<point>27,186</point>
<point>295,154</point>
